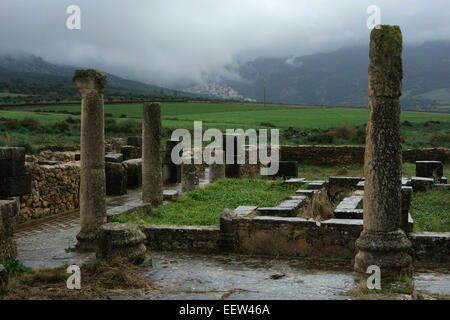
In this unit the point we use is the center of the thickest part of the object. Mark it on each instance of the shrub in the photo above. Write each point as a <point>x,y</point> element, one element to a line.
<point>441,139</point>
<point>345,132</point>
<point>21,142</point>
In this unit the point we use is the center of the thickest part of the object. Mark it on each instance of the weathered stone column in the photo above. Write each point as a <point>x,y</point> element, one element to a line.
<point>189,176</point>
<point>91,84</point>
<point>151,158</point>
<point>381,242</point>
<point>217,170</point>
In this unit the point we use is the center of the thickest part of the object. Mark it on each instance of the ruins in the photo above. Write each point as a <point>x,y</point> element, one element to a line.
<point>91,84</point>
<point>152,179</point>
<point>382,242</point>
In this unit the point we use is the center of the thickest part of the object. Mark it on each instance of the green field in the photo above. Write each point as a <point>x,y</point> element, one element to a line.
<point>310,120</point>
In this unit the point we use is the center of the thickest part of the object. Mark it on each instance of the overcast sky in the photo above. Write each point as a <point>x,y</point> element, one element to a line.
<point>160,41</point>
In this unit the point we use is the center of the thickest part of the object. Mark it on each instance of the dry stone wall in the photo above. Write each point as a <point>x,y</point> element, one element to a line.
<point>55,189</point>
<point>338,155</point>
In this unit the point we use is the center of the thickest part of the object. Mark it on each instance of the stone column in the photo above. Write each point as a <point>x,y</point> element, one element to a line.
<point>189,176</point>
<point>232,170</point>
<point>382,242</point>
<point>217,170</point>
<point>151,158</point>
<point>91,84</point>
<point>174,169</point>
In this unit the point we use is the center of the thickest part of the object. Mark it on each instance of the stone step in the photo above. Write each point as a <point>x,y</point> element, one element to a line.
<point>307,193</point>
<point>170,195</point>
<point>277,211</point>
<point>349,203</point>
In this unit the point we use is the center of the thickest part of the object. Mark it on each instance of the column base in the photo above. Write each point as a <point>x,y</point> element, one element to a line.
<point>87,241</point>
<point>387,250</point>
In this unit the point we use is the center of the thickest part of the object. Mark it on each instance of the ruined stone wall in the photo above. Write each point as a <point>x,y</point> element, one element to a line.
<point>339,155</point>
<point>296,237</point>
<point>183,238</point>
<point>435,154</point>
<point>55,189</point>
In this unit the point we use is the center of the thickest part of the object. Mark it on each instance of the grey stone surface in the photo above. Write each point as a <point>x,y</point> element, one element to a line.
<point>308,193</point>
<point>114,157</point>
<point>125,240</point>
<point>116,179</point>
<point>421,184</point>
<point>133,168</point>
<point>170,195</point>
<point>243,277</point>
<point>429,169</point>
<point>15,186</point>
<point>244,210</point>
<point>12,161</point>
<point>287,169</point>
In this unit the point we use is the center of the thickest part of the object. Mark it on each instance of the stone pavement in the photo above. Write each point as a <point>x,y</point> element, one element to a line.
<point>49,242</point>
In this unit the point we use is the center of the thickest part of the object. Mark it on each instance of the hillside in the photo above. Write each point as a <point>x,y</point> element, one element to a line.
<point>340,77</point>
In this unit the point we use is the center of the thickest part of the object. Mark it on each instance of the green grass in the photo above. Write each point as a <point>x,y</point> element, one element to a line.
<point>431,211</point>
<point>204,206</point>
<point>248,116</point>
<point>243,116</point>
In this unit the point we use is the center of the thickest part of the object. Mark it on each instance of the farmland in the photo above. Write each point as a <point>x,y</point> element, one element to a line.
<point>308,125</point>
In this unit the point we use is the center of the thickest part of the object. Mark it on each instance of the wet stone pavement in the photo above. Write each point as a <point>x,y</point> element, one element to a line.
<point>234,277</point>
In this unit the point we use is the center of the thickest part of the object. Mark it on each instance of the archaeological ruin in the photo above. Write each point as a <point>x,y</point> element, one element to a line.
<point>363,219</point>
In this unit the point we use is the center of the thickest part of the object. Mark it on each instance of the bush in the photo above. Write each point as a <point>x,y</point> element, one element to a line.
<point>21,142</point>
<point>345,132</point>
<point>441,139</point>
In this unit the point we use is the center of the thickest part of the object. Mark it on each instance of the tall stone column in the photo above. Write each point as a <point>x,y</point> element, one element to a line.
<point>382,242</point>
<point>91,84</point>
<point>217,170</point>
<point>152,183</point>
<point>189,176</point>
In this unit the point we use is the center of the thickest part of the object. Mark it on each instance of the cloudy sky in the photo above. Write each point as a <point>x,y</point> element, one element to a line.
<point>161,41</point>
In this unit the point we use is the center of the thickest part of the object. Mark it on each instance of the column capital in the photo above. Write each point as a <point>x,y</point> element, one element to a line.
<point>90,79</point>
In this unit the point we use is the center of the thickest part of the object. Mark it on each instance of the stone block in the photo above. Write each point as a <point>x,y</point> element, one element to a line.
<point>170,195</point>
<point>133,169</point>
<point>135,141</point>
<point>277,211</point>
<point>317,185</point>
<point>342,184</point>
<point>348,213</point>
<point>12,161</point>
<point>116,179</point>
<point>429,169</point>
<point>233,171</point>
<point>421,184</point>
<point>123,240</point>
<point>287,169</point>
<point>406,203</point>
<point>15,186</point>
<point>114,157</point>
<point>131,152</point>
<point>295,181</point>
<point>308,193</point>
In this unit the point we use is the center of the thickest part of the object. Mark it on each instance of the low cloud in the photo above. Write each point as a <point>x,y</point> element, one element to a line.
<point>162,42</point>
